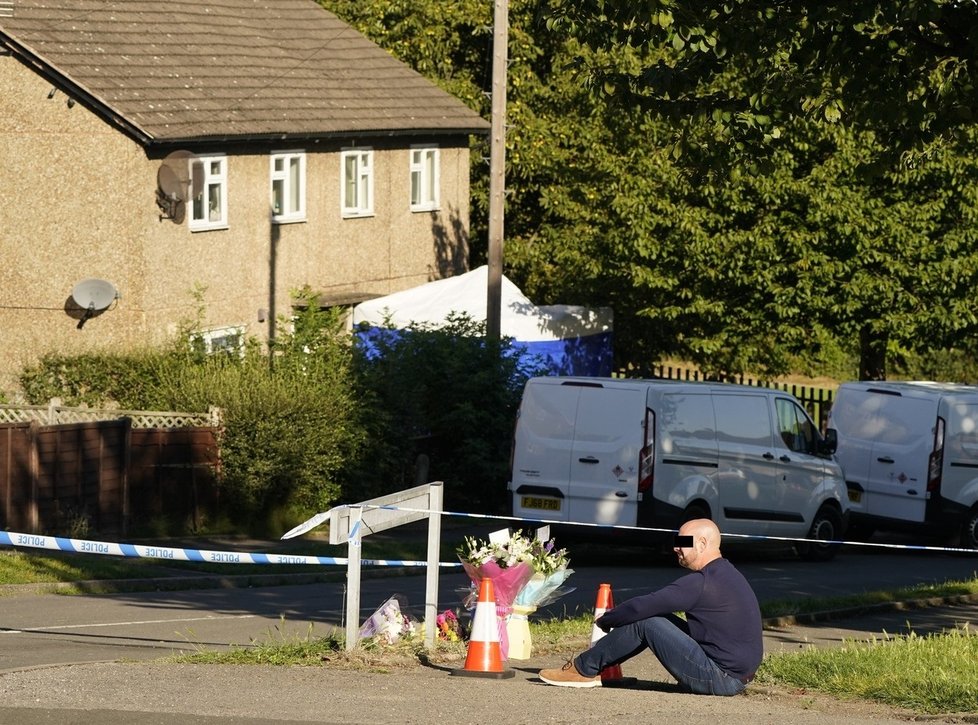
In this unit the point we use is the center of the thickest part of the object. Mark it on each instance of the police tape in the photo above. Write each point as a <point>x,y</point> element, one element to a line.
<point>85,546</point>
<point>746,537</point>
<point>106,548</point>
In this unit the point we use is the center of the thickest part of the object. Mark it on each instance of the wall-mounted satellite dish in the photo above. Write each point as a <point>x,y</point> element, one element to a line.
<point>178,180</point>
<point>93,296</point>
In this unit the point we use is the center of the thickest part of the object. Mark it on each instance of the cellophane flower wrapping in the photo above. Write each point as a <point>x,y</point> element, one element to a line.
<point>549,574</point>
<point>542,588</point>
<point>389,622</point>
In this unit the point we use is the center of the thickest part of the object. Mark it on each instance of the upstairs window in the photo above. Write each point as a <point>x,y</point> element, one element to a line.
<point>357,184</point>
<point>288,177</point>
<point>209,209</point>
<point>424,178</point>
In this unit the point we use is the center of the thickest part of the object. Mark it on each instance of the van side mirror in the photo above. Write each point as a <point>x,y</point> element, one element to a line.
<point>829,443</point>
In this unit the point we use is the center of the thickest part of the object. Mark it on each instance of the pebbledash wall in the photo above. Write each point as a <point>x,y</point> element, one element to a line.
<point>77,200</point>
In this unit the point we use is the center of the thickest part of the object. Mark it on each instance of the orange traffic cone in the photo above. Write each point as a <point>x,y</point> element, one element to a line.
<point>611,675</point>
<point>484,657</point>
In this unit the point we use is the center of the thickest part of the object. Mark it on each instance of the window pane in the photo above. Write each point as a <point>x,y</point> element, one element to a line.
<point>432,178</point>
<point>214,202</point>
<point>350,192</point>
<point>277,194</point>
<point>415,187</point>
<point>295,185</point>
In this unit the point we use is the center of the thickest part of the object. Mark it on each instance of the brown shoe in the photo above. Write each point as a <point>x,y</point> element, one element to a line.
<point>568,676</point>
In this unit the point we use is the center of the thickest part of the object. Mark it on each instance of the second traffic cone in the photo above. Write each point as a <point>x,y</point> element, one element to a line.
<point>610,675</point>
<point>484,657</point>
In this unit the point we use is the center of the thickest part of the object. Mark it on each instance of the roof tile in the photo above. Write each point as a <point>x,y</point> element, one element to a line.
<point>187,69</point>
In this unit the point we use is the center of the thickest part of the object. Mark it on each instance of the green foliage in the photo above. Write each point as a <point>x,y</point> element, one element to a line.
<point>291,421</point>
<point>447,395</point>
<point>902,69</point>
<point>932,674</point>
<point>290,417</point>
<point>736,190</point>
<point>94,380</point>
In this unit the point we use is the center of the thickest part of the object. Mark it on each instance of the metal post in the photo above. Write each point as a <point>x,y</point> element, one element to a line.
<point>497,170</point>
<point>435,497</point>
<point>353,578</point>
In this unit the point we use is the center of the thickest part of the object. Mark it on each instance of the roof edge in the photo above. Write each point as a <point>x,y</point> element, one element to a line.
<point>56,77</point>
<point>324,136</point>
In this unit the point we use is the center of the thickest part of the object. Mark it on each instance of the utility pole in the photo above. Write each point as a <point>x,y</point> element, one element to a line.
<point>497,169</point>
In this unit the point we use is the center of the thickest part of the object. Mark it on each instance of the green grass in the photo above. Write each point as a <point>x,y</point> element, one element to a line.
<point>788,607</point>
<point>935,674</point>
<point>17,567</point>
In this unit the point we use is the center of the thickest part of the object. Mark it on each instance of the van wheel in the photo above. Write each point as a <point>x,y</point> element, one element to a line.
<point>969,531</point>
<point>696,511</point>
<point>826,526</point>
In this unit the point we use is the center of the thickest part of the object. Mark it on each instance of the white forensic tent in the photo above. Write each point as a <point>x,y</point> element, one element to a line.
<point>570,339</point>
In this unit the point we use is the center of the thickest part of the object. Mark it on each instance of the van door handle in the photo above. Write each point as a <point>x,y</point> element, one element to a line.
<point>588,459</point>
<point>885,459</point>
<point>912,491</point>
<point>785,459</point>
<point>621,494</point>
<point>768,456</point>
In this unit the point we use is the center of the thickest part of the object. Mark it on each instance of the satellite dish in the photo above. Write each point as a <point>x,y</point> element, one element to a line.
<point>179,179</point>
<point>93,296</point>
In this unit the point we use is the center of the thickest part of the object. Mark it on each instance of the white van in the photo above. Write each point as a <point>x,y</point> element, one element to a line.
<point>655,453</point>
<point>910,455</point>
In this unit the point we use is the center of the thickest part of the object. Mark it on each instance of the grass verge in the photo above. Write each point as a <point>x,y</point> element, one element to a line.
<point>935,674</point>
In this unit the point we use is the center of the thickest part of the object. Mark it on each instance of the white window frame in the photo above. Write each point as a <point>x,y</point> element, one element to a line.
<point>293,185</point>
<point>357,193</point>
<point>425,164</point>
<point>214,186</point>
<point>218,339</point>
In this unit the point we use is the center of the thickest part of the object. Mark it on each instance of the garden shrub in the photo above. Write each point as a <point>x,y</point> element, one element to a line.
<point>447,394</point>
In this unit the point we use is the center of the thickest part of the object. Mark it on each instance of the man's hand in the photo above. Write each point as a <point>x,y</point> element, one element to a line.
<point>604,623</point>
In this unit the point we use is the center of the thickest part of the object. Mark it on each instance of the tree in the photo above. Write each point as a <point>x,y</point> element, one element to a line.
<point>903,68</point>
<point>737,189</point>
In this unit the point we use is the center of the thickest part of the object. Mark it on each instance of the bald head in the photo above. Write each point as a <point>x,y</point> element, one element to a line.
<point>706,544</point>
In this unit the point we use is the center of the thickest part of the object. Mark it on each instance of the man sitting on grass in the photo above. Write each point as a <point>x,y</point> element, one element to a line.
<point>714,651</point>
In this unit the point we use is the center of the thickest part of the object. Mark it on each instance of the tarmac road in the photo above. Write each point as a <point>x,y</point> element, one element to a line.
<point>60,656</point>
<point>163,694</point>
<point>43,629</point>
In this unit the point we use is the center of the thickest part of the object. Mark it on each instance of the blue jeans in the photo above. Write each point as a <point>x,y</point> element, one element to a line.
<point>669,641</point>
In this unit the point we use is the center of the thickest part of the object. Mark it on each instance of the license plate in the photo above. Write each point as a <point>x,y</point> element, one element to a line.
<point>855,496</point>
<point>543,504</point>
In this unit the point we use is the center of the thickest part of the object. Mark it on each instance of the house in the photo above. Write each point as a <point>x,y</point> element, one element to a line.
<point>162,159</point>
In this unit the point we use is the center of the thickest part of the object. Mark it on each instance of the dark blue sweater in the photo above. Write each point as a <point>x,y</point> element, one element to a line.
<point>721,612</point>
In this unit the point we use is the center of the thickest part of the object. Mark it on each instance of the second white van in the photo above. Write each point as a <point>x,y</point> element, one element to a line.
<point>910,455</point>
<point>655,453</point>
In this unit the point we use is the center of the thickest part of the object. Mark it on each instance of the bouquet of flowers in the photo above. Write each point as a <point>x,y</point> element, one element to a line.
<point>389,622</point>
<point>449,628</point>
<point>549,574</point>
<point>506,559</point>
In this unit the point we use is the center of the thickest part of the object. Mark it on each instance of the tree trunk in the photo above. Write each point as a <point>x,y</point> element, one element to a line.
<point>872,354</point>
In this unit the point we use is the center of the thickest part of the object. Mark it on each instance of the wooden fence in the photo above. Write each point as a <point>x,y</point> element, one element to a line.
<point>105,477</point>
<point>817,400</point>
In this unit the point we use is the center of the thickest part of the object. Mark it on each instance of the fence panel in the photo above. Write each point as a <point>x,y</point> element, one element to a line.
<point>104,476</point>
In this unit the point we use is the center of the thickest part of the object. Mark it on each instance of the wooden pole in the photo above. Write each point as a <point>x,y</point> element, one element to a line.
<point>497,169</point>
